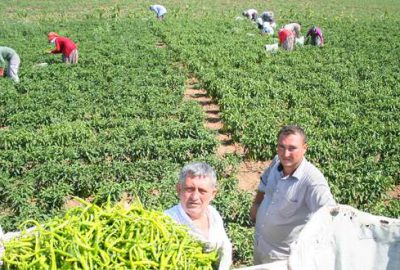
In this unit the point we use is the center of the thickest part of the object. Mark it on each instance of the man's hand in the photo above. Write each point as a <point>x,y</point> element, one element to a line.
<point>253,212</point>
<point>256,203</point>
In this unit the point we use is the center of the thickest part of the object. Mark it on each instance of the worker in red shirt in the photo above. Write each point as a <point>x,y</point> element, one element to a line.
<point>286,39</point>
<point>65,46</point>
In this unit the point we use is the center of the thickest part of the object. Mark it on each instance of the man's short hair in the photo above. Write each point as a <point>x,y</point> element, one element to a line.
<point>292,130</point>
<point>198,169</point>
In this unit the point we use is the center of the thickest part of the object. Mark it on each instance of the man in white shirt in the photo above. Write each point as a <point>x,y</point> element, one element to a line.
<point>290,191</point>
<point>159,10</point>
<point>196,189</point>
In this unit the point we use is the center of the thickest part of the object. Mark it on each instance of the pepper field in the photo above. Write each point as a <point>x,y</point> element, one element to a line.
<point>117,122</point>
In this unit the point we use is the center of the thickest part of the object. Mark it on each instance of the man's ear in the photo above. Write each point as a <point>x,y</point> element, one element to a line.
<point>214,193</point>
<point>178,188</point>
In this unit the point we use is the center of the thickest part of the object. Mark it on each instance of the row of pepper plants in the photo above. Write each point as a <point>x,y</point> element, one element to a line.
<point>116,122</point>
<point>345,95</point>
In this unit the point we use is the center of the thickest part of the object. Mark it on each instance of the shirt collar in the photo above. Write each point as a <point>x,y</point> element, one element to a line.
<point>190,224</point>
<point>298,173</point>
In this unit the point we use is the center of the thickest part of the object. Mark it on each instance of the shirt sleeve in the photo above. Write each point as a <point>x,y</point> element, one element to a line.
<point>58,47</point>
<point>319,194</point>
<point>2,61</point>
<point>264,177</point>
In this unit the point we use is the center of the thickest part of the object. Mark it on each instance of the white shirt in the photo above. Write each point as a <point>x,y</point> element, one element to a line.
<point>217,237</point>
<point>267,28</point>
<point>160,10</point>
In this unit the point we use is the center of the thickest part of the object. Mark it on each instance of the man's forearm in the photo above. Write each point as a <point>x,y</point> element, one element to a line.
<point>256,203</point>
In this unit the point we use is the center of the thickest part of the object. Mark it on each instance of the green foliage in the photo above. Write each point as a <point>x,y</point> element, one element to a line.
<point>116,122</point>
<point>345,95</point>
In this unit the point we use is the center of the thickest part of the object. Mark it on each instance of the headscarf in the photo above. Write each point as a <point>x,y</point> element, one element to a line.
<point>52,35</point>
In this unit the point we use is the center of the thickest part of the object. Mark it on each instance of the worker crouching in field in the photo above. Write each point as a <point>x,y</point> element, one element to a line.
<point>265,27</point>
<point>286,39</point>
<point>294,27</point>
<point>250,14</point>
<point>268,16</point>
<point>10,57</point>
<point>196,189</point>
<point>314,37</point>
<point>65,46</point>
<point>159,10</point>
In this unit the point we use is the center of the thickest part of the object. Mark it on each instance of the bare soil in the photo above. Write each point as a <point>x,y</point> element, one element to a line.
<point>249,172</point>
<point>161,45</point>
<point>395,193</point>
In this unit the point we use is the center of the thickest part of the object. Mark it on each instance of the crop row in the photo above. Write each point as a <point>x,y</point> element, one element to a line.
<point>346,95</point>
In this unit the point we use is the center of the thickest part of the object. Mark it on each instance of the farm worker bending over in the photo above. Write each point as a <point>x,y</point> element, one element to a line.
<point>159,10</point>
<point>65,46</point>
<point>268,16</point>
<point>196,189</point>
<point>314,37</point>
<point>267,29</point>
<point>294,27</point>
<point>286,39</point>
<point>11,57</point>
<point>251,14</point>
<point>290,191</point>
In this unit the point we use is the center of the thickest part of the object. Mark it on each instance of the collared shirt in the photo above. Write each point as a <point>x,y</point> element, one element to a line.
<point>288,204</point>
<point>217,237</point>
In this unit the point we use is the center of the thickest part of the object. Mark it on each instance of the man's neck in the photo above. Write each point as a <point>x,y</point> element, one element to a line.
<point>202,223</point>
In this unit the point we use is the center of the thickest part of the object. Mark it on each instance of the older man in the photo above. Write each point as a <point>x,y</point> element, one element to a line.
<point>290,191</point>
<point>196,189</point>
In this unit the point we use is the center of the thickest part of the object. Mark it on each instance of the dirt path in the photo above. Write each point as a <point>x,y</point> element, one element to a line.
<point>395,193</point>
<point>249,171</point>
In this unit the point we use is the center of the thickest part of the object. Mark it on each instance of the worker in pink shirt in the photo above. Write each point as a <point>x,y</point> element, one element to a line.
<point>314,37</point>
<point>286,39</point>
<point>65,46</point>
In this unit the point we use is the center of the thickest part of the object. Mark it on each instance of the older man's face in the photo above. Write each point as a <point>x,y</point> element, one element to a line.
<point>195,195</point>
